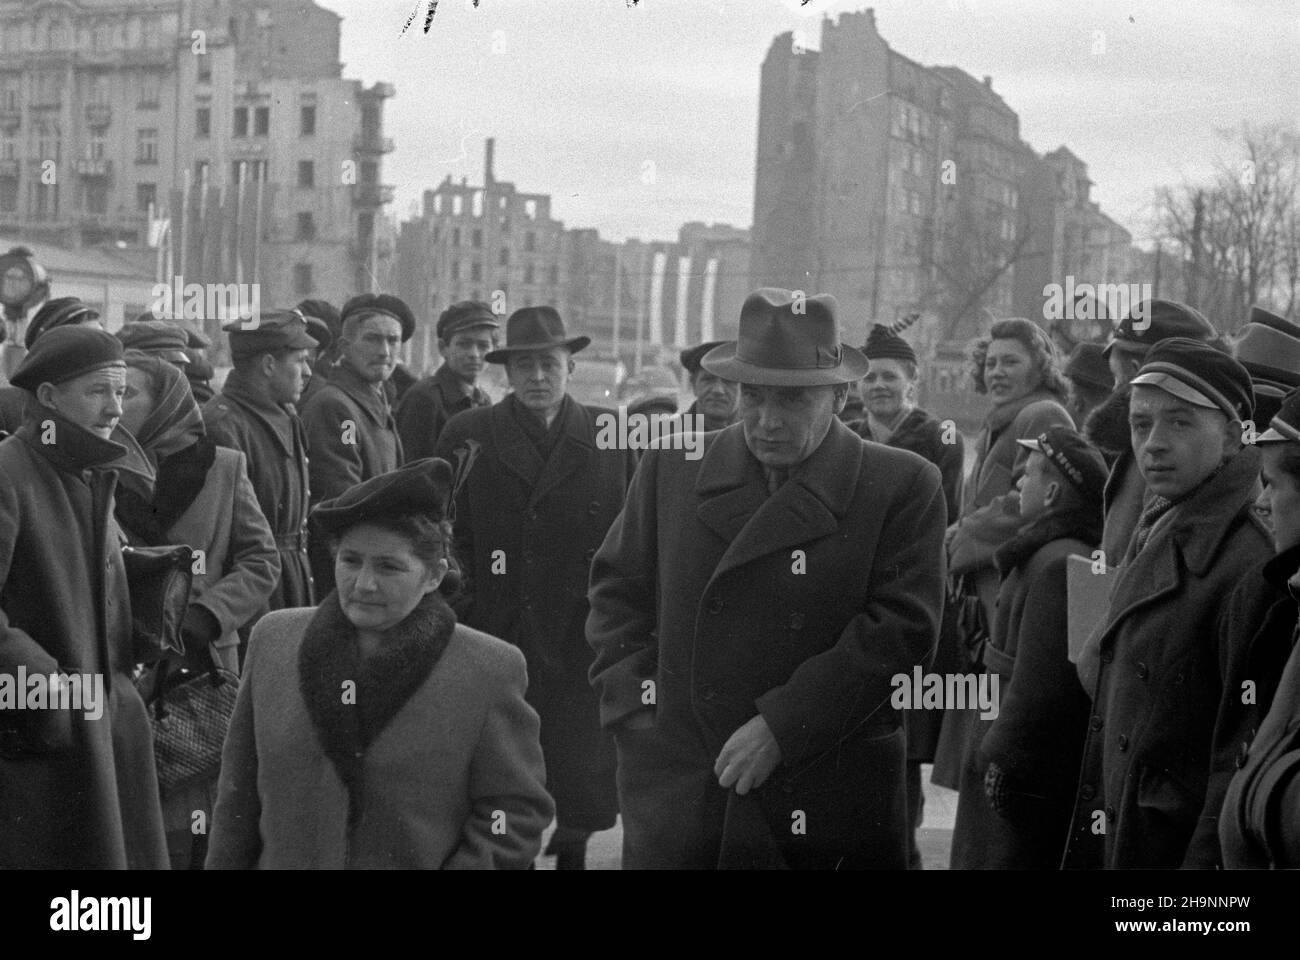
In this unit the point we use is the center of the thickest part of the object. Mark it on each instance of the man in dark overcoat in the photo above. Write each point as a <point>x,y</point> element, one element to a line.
<point>749,609</point>
<point>351,433</point>
<point>530,516</point>
<point>1147,753</point>
<point>78,788</point>
<point>466,335</point>
<point>255,414</point>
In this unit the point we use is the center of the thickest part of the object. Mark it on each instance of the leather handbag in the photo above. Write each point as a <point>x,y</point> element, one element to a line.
<point>190,714</point>
<point>159,580</point>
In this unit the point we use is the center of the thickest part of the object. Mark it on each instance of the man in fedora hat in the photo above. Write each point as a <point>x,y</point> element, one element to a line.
<point>749,609</point>
<point>351,433</point>
<point>529,518</point>
<point>715,398</point>
<point>1268,346</point>
<point>255,413</point>
<point>467,332</point>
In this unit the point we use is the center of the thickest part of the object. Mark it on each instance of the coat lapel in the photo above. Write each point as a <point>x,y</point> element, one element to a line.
<point>515,450</point>
<point>573,449</point>
<point>735,503</point>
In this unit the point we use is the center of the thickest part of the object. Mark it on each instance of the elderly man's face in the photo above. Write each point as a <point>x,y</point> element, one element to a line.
<point>716,397</point>
<point>784,425</point>
<point>92,401</point>
<point>539,378</point>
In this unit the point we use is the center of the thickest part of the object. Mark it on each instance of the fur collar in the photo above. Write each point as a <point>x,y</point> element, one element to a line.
<point>383,683</point>
<point>1078,524</point>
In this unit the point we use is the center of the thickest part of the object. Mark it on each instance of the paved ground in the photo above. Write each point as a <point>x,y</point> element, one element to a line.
<point>604,852</point>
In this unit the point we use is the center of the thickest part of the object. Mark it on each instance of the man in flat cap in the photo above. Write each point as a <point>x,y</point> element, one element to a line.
<point>529,519</point>
<point>78,788</point>
<point>351,433</point>
<point>255,413</point>
<point>749,609</point>
<point>715,398</point>
<point>893,418</point>
<point>161,338</point>
<point>55,312</point>
<point>466,335</point>
<point>1147,755</point>
<point>1107,427</point>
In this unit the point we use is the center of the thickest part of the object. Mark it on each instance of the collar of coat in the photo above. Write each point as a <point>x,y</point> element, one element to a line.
<point>277,420</point>
<point>74,448</point>
<point>373,403</point>
<point>911,431</point>
<point>454,389</point>
<point>735,504</point>
<point>518,454</point>
<point>330,665</point>
<point>1076,524</point>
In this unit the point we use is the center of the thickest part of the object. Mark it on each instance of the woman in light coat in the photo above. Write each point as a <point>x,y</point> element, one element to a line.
<point>373,731</point>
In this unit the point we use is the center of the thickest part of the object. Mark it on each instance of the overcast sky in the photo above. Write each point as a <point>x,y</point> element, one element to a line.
<point>582,94</point>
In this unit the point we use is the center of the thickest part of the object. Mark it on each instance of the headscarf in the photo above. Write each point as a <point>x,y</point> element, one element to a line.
<point>175,421</point>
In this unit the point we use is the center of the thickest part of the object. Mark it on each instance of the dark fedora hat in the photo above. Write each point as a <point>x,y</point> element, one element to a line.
<point>787,341</point>
<point>1269,347</point>
<point>535,328</point>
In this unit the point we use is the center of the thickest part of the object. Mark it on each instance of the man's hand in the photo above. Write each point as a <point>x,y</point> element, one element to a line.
<point>748,757</point>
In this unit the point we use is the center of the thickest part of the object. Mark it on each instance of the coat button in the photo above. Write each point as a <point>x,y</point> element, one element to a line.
<point>1094,724</point>
<point>709,694</point>
<point>1123,743</point>
<point>715,605</point>
<point>593,508</point>
<point>1110,814</point>
<point>1107,656</point>
<point>1087,791</point>
<point>796,621</point>
<point>1142,671</point>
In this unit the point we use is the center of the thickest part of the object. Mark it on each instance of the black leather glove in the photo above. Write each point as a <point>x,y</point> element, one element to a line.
<point>1007,799</point>
<point>199,630</point>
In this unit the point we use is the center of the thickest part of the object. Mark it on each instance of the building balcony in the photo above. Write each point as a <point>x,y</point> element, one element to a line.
<point>371,194</point>
<point>98,114</point>
<point>371,143</point>
<point>93,168</point>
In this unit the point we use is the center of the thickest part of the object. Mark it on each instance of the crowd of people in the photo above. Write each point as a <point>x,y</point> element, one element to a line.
<point>454,622</point>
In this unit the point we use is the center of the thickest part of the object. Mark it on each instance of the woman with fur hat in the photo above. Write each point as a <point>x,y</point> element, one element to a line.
<point>374,731</point>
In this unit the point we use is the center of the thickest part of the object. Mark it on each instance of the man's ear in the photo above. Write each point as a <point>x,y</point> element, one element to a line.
<point>45,395</point>
<point>572,363</point>
<point>1232,430</point>
<point>1052,493</point>
<point>841,398</point>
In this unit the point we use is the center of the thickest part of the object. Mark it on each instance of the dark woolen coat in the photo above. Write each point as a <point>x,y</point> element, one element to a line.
<point>453,780</point>
<point>339,458</point>
<point>923,434</point>
<point>1259,825</point>
<point>75,793</point>
<point>428,405</point>
<point>1037,737</point>
<point>699,597</point>
<point>1148,749</point>
<point>988,520</point>
<point>1259,627</point>
<point>272,439</point>
<point>541,522</point>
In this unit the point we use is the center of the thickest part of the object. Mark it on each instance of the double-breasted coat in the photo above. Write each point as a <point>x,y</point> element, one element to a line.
<point>75,792</point>
<point>273,441</point>
<point>351,437</point>
<point>526,532</point>
<point>1147,756</point>
<point>713,601</point>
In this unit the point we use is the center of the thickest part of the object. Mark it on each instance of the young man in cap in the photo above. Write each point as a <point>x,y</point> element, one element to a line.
<point>893,418</point>
<point>1159,681</point>
<point>351,433</point>
<point>255,413</point>
<point>715,398</point>
<point>749,608</point>
<point>466,334</point>
<point>1257,636</point>
<point>1015,810</point>
<point>78,788</point>
<point>529,519</point>
<point>1257,825</point>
